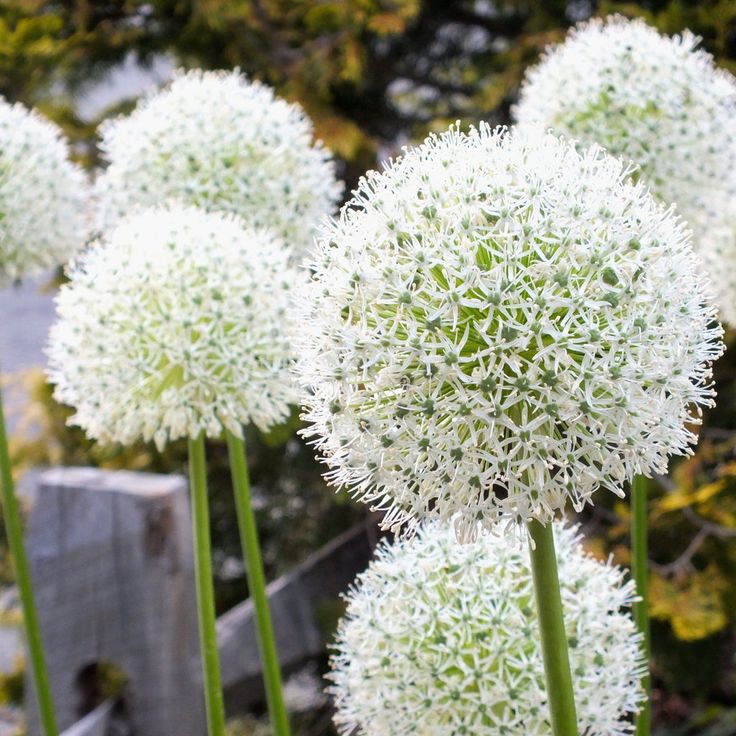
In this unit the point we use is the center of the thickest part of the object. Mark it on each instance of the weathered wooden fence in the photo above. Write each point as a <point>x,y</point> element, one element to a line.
<point>111,559</point>
<point>100,722</point>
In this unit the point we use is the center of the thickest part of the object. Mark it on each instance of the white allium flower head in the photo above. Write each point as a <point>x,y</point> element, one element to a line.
<point>221,142</point>
<point>716,245</point>
<point>660,102</point>
<point>43,195</point>
<point>442,639</point>
<point>497,324</point>
<point>175,324</point>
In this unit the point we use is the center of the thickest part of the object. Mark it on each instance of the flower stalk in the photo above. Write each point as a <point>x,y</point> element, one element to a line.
<point>14,531</point>
<point>552,630</point>
<point>640,572</point>
<point>205,589</point>
<point>257,584</point>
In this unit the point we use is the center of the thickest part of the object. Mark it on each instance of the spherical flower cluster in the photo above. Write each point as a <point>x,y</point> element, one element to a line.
<point>498,323</point>
<point>42,195</point>
<point>659,102</point>
<point>221,142</point>
<point>174,325</point>
<point>716,245</point>
<point>441,639</point>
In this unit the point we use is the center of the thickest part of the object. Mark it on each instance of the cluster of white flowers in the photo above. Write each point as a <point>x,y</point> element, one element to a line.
<point>441,639</point>
<point>223,143</point>
<point>42,195</point>
<point>716,245</point>
<point>497,323</point>
<point>175,324</point>
<point>659,102</point>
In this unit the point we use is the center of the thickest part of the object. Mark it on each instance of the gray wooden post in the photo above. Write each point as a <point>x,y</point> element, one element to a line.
<point>111,560</point>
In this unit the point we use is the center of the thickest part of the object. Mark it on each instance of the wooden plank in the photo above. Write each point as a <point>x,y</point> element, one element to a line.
<point>96,723</point>
<point>111,559</point>
<point>296,600</point>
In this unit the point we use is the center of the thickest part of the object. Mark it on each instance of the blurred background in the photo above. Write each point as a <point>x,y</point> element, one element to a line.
<point>374,75</point>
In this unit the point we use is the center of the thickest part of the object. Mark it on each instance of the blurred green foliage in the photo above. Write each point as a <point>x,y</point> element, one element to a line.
<point>375,74</point>
<point>372,73</point>
<point>12,685</point>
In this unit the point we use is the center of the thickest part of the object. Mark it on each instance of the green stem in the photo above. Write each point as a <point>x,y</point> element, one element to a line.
<point>552,630</point>
<point>640,571</point>
<point>14,533</point>
<point>205,589</point>
<point>257,585</point>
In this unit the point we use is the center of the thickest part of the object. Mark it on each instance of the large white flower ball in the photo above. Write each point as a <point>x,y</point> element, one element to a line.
<point>221,142</point>
<point>659,102</point>
<point>173,325</point>
<point>442,639</point>
<point>498,324</point>
<point>43,195</point>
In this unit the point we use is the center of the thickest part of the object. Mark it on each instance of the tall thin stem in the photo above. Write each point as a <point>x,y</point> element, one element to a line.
<point>640,571</point>
<point>205,589</point>
<point>257,585</point>
<point>552,630</point>
<point>14,532</point>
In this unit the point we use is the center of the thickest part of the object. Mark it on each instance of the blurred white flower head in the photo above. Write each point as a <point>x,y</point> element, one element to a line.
<point>43,195</point>
<point>172,325</point>
<point>441,639</point>
<point>497,324</point>
<point>657,101</point>
<point>223,143</point>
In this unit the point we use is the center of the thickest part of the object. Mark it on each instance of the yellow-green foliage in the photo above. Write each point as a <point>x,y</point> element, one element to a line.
<point>696,588</point>
<point>692,530</point>
<point>340,58</point>
<point>12,684</point>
